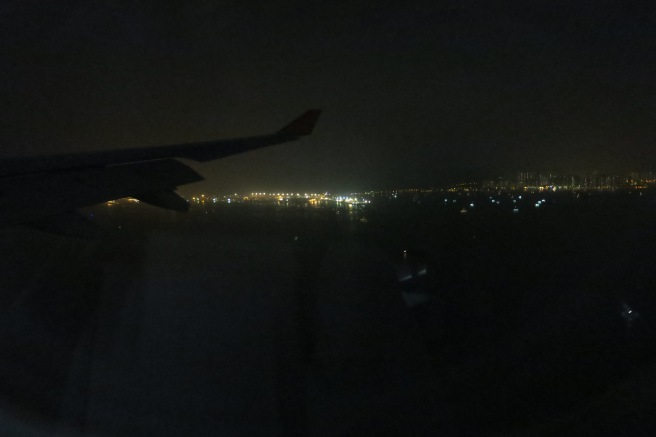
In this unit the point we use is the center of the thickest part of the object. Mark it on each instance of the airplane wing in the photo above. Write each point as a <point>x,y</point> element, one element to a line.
<point>42,191</point>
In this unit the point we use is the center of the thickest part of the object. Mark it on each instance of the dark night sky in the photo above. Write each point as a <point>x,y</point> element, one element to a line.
<point>413,94</point>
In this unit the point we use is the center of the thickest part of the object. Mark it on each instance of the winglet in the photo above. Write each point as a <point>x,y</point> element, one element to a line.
<point>303,125</point>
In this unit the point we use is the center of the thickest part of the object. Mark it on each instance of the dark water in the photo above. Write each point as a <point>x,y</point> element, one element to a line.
<point>272,319</point>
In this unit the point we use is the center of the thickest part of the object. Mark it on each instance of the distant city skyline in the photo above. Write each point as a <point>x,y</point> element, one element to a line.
<point>522,180</point>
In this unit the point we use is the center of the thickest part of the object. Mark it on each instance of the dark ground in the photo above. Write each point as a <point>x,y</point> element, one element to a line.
<point>259,320</point>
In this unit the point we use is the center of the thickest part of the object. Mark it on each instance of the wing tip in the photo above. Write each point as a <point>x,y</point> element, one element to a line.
<point>303,125</point>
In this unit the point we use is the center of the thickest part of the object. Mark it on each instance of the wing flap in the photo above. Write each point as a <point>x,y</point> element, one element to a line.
<point>58,193</point>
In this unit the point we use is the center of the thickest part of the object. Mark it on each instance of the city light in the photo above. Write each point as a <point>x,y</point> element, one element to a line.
<point>504,194</point>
